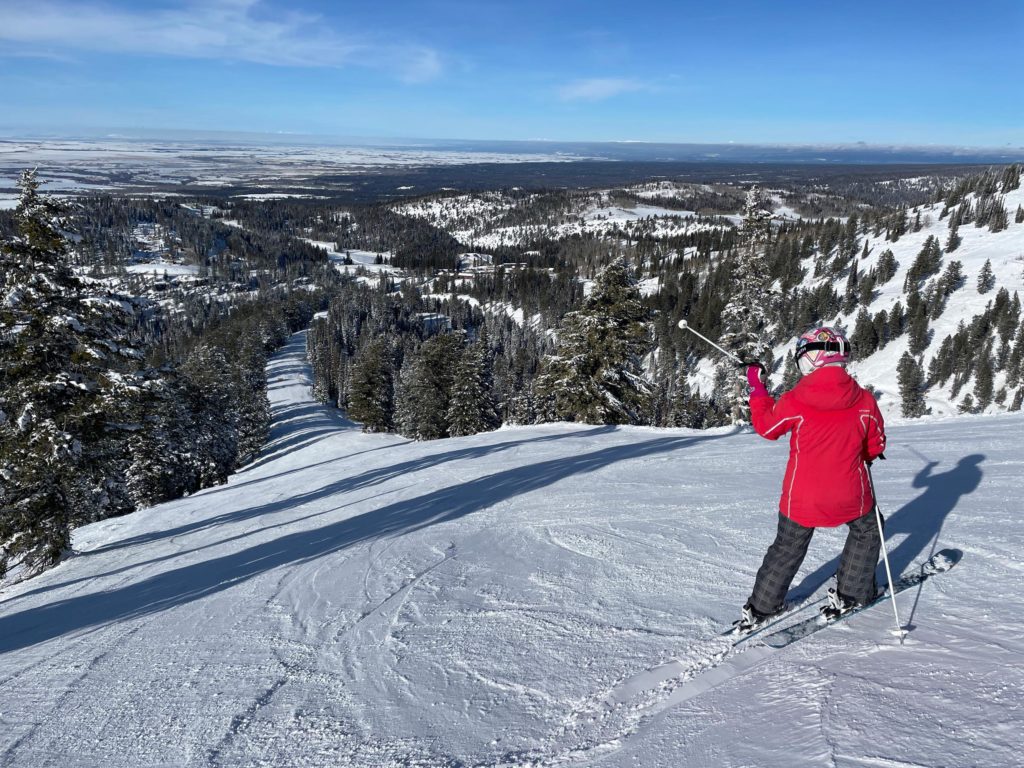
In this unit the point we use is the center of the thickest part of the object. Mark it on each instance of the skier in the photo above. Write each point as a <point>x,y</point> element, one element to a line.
<point>836,427</point>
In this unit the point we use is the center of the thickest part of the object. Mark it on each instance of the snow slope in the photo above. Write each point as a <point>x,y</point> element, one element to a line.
<point>361,600</point>
<point>1004,249</point>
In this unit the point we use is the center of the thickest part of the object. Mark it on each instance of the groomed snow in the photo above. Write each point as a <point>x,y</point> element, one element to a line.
<point>363,600</point>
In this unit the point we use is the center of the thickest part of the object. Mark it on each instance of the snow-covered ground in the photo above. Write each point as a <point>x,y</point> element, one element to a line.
<point>368,260</point>
<point>161,268</point>
<point>362,600</point>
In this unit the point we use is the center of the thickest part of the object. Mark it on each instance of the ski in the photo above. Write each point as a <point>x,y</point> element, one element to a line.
<point>739,637</point>
<point>940,562</point>
<point>656,689</point>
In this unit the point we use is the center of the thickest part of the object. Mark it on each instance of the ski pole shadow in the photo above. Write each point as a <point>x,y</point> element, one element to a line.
<point>920,521</point>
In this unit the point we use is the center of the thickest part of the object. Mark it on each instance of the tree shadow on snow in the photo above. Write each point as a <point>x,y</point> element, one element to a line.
<point>919,521</point>
<point>208,577</point>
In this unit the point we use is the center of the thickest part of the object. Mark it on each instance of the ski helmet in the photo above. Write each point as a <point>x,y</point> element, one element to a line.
<point>820,347</point>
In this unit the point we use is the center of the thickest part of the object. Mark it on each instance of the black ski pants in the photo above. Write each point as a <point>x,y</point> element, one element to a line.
<point>856,574</point>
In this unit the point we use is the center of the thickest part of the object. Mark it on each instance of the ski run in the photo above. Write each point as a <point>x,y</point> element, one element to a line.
<point>534,596</point>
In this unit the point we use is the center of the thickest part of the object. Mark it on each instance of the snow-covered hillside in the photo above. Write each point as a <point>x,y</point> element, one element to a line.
<point>1005,251</point>
<point>361,600</point>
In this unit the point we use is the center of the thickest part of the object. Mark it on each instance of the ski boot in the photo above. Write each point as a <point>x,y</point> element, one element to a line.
<point>751,618</point>
<point>837,605</point>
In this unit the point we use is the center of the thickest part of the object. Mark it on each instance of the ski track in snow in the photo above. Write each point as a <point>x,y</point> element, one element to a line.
<point>534,596</point>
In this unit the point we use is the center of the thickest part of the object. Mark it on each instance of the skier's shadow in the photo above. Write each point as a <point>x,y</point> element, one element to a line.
<point>919,521</point>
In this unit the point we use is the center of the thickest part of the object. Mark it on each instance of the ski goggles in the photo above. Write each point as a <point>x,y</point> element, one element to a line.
<point>803,346</point>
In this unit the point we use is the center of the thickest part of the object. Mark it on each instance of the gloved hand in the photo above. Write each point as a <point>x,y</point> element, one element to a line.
<point>755,379</point>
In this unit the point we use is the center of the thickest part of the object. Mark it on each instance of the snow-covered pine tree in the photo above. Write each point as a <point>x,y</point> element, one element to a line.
<point>212,404</point>
<point>371,399</point>
<point>471,408</point>
<point>746,318</point>
<point>595,375</point>
<point>62,354</point>
<point>249,371</point>
<point>425,388</point>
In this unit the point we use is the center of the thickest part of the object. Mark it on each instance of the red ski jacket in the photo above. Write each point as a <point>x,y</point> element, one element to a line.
<point>836,427</point>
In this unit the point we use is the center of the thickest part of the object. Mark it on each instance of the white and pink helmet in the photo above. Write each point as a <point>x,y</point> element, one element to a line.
<point>820,347</point>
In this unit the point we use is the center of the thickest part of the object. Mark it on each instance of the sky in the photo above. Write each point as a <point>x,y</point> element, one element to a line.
<point>750,71</point>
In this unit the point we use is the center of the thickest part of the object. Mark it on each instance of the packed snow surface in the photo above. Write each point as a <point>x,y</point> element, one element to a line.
<point>534,596</point>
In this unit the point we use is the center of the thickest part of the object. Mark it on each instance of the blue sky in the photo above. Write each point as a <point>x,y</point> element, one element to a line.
<point>901,71</point>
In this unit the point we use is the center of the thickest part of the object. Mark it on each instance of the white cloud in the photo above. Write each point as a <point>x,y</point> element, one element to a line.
<point>600,88</point>
<point>210,29</point>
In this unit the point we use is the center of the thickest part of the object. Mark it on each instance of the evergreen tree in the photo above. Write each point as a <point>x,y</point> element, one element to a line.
<point>746,318</point>
<point>897,320</point>
<point>850,295</point>
<point>594,375</point>
<point>426,385</point>
<point>953,240</point>
<point>927,263</point>
<point>986,278</point>
<point>471,409</point>
<point>62,354</point>
<point>1018,400</point>
<point>371,399</point>
<point>865,336</point>
<point>984,379</point>
<point>911,383</point>
<point>918,329</point>
<point>886,268</point>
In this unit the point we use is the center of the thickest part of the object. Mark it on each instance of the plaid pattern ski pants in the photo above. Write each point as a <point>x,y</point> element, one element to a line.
<point>856,574</point>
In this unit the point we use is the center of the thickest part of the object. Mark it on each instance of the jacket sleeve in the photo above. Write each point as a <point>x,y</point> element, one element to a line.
<point>772,419</point>
<point>874,431</point>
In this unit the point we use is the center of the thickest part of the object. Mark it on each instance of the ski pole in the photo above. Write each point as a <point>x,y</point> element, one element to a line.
<point>885,557</point>
<point>686,327</point>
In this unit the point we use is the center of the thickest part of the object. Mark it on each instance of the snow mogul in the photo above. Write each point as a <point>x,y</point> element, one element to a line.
<point>836,428</point>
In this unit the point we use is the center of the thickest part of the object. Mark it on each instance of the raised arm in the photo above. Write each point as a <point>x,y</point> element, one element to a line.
<point>771,419</point>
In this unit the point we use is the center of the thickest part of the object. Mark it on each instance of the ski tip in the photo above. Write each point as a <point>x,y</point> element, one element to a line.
<point>943,560</point>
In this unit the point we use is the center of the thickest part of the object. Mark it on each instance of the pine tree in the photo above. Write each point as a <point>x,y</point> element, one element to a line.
<point>897,320</point>
<point>62,354</point>
<point>746,318</point>
<point>865,336</point>
<point>1018,400</point>
<point>212,404</point>
<point>918,329</point>
<point>984,379</point>
<point>850,295</point>
<point>952,278</point>
<point>927,263</point>
<point>371,387</point>
<point>886,268</point>
<point>471,409</point>
<point>594,375</point>
<point>425,389</point>
<point>986,278</point>
<point>911,383</point>
<point>953,240</point>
